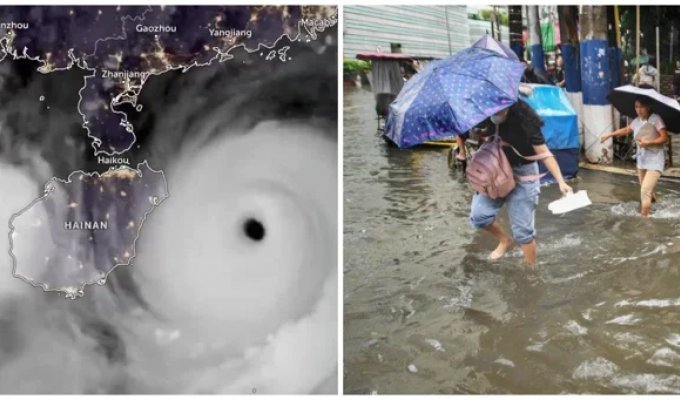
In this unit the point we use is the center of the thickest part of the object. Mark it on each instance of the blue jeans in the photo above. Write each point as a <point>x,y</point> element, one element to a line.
<point>522,202</point>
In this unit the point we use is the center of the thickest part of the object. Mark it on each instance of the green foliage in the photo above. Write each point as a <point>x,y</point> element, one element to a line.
<point>487,15</point>
<point>350,66</point>
<point>505,19</point>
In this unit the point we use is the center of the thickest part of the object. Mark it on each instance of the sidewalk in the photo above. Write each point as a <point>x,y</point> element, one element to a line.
<point>628,168</point>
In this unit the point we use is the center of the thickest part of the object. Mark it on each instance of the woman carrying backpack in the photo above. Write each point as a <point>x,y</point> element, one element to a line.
<point>520,127</point>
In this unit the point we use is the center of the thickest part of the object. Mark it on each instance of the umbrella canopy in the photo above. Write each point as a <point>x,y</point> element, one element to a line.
<point>488,42</point>
<point>623,99</point>
<point>451,96</point>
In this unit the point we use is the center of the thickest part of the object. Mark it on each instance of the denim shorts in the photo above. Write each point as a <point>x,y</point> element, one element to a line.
<point>522,202</point>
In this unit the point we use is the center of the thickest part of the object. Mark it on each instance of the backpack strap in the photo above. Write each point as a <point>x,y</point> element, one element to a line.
<point>536,157</point>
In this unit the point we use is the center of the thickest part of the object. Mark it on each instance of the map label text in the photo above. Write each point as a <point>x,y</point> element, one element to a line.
<point>320,23</point>
<point>82,225</point>
<point>231,33</point>
<point>124,74</point>
<point>14,25</point>
<point>155,28</point>
<point>113,160</point>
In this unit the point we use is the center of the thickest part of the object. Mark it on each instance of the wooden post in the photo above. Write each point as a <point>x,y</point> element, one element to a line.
<point>617,23</point>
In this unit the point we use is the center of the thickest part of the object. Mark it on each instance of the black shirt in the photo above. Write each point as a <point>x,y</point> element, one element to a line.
<point>521,138</point>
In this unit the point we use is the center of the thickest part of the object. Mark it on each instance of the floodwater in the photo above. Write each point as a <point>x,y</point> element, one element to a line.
<point>425,312</point>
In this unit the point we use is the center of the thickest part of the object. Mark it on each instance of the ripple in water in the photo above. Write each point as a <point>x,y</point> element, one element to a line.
<point>648,383</point>
<point>574,328</point>
<point>664,357</point>
<point>668,208</point>
<point>673,339</point>
<point>651,303</point>
<point>629,319</point>
<point>598,368</point>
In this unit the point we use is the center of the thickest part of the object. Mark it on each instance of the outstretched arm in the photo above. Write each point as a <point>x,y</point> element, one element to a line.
<point>552,166</point>
<point>626,130</point>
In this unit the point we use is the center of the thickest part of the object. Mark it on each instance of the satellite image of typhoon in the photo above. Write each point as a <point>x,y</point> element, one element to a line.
<point>168,182</point>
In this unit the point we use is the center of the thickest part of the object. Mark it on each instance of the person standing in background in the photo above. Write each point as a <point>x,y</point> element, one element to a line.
<point>676,80</point>
<point>559,72</point>
<point>646,76</point>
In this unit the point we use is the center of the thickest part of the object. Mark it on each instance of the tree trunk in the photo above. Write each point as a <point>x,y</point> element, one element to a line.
<point>534,25</point>
<point>593,23</point>
<point>568,19</point>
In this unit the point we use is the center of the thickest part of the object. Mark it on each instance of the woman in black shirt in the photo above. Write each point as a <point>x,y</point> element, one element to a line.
<point>520,127</point>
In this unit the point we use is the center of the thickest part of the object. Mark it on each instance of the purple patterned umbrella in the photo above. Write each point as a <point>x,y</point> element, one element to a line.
<point>451,96</point>
<point>488,42</point>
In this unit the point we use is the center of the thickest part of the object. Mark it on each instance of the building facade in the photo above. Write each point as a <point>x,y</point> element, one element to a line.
<point>433,31</point>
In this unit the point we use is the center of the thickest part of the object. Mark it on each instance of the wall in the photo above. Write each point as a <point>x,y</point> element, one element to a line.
<point>421,30</point>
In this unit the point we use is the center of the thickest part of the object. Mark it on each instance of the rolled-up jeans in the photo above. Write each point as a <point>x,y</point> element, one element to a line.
<point>522,202</point>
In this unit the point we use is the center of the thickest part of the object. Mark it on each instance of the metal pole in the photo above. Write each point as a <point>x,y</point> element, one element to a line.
<point>497,17</point>
<point>448,29</point>
<point>637,40</point>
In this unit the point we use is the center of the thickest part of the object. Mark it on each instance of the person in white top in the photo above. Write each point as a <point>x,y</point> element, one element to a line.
<point>646,76</point>
<point>649,131</point>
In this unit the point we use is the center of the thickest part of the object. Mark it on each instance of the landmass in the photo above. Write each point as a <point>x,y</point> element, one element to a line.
<point>123,46</point>
<point>86,225</point>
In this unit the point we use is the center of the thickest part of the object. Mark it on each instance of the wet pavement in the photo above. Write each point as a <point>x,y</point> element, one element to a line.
<point>425,312</point>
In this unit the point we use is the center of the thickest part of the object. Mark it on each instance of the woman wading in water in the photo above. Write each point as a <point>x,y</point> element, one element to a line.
<point>649,131</point>
<point>520,127</point>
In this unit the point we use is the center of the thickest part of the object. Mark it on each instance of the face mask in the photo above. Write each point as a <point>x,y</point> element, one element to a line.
<point>498,119</point>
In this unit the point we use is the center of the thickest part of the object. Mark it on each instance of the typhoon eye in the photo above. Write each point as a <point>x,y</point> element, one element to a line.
<point>254,229</point>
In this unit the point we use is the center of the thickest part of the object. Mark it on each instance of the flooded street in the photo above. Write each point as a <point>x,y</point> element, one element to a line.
<point>425,312</point>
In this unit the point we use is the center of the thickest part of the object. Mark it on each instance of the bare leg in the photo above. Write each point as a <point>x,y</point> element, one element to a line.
<point>504,241</point>
<point>648,181</point>
<point>461,148</point>
<point>529,251</point>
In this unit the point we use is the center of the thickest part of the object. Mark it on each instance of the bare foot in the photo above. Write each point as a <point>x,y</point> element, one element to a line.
<point>503,246</point>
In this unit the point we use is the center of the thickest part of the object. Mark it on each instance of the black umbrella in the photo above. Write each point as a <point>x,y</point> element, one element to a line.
<point>623,99</point>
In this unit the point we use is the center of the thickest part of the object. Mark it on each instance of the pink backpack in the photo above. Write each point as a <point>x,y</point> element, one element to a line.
<point>490,172</point>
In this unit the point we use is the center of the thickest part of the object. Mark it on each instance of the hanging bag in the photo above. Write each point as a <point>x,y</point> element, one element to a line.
<point>490,172</point>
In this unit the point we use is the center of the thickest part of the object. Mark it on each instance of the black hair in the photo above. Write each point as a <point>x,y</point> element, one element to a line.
<point>645,102</point>
<point>524,116</point>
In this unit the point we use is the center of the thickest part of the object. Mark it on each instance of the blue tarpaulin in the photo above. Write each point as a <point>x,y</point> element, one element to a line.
<point>561,121</point>
<point>560,128</point>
